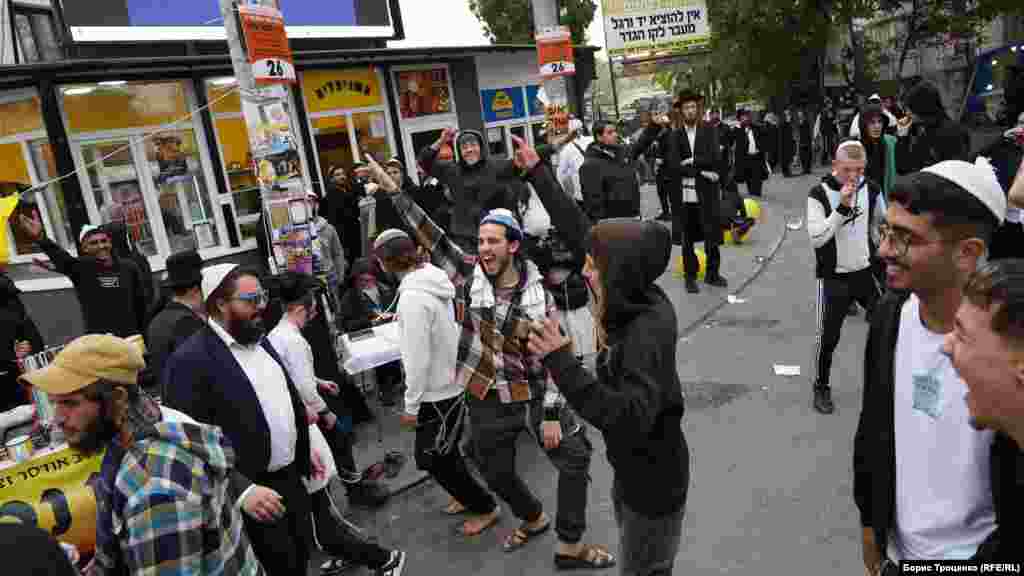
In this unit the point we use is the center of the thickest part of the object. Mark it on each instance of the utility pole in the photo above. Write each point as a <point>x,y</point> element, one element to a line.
<point>556,90</point>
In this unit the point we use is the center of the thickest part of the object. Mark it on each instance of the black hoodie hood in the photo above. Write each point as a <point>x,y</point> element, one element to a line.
<point>484,149</point>
<point>8,289</point>
<point>925,101</point>
<point>636,254</point>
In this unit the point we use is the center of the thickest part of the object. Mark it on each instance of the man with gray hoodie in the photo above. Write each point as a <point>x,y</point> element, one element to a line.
<point>327,248</point>
<point>434,403</point>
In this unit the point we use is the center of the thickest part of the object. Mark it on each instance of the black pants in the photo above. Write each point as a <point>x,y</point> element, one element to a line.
<point>438,430</point>
<point>496,428</point>
<point>340,443</point>
<point>827,148</point>
<point>835,294</point>
<point>806,158</point>
<point>752,174</point>
<point>337,537</point>
<point>283,547</point>
<point>663,196</point>
<point>693,230</point>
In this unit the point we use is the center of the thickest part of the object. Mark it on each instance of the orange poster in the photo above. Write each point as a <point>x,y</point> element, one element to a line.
<point>554,53</point>
<point>266,43</point>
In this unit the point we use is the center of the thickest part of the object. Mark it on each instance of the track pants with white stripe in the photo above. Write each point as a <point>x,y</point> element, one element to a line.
<point>835,294</point>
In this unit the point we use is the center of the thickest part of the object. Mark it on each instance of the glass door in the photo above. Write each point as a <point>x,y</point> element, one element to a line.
<point>117,189</point>
<point>180,189</point>
<point>45,166</point>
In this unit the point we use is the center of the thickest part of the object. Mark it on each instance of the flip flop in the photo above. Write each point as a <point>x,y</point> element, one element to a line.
<point>521,536</point>
<point>592,557</point>
<point>460,529</point>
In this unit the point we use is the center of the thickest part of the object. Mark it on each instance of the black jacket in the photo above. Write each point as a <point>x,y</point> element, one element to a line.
<point>635,397</point>
<point>874,449</point>
<point>490,183</point>
<point>113,300</point>
<point>357,308</point>
<point>15,325</point>
<point>609,182</point>
<point>933,138</point>
<point>168,330</point>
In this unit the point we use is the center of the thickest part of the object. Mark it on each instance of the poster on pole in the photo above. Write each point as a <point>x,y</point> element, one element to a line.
<point>266,43</point>
<point>554,52</point>
<point>633,27</point>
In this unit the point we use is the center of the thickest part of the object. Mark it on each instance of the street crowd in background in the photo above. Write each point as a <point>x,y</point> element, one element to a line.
<point>502,275</point>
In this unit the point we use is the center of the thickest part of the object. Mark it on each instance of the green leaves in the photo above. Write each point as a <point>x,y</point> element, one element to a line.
<point>511,21</point>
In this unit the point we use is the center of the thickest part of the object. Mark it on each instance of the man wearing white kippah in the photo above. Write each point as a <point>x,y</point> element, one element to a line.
<point>924,478</point>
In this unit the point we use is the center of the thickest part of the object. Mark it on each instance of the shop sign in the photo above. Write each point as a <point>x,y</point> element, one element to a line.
<point>637,26</point>
<point>54,492</point>
<point>503,104</point>
<point>267,44</point>
<point>554,52</point>
<point>536,106</point>
<point>341,89</point>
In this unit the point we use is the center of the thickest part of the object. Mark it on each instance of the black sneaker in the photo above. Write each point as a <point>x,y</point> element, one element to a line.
<point>823,400</point>
<point>335,566</point>
<point>367,494</point>
<point>716,281</point>
<point>664,217</point>
<point>394,566</point>
<point>691,286</point>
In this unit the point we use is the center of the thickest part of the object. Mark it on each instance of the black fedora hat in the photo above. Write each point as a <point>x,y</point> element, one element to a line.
<point>184,269</point>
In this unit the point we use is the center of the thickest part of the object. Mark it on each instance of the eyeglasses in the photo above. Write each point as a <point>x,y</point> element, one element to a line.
<point>901,240</point>
<point>257,299</point>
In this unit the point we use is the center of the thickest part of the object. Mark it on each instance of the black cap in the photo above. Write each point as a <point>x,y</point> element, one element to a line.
<point>184,269</point>
<point>295,287</point>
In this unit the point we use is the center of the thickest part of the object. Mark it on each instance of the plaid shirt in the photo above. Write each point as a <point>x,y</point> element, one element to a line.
<point>492,345</point>
<point>164,507</point>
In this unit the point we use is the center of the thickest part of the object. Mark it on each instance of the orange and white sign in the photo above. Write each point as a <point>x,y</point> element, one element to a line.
<point>266,43</point>
<point>554,53</point>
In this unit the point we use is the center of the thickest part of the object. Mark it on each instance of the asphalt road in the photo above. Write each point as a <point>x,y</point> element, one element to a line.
<point>771,480</point>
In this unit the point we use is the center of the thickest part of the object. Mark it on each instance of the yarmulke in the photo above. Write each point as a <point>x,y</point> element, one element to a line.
<point>506,218</point>
<point>979,179</point>
<point>387,236</point>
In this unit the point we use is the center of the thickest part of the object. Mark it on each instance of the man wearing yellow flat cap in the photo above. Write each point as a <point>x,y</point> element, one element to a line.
<point>161,472</point>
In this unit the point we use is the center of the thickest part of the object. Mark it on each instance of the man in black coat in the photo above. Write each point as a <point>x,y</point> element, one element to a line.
<point>692,161</point>
<point>177,318</point>
<point>608,176</point>
<point>748,151</point>
<point>18,338</point>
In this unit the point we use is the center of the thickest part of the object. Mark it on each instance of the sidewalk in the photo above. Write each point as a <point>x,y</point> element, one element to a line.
<point>740,265</point>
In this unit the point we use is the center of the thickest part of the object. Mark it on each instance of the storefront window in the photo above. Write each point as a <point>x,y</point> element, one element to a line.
<point>423,92</point>
<point>372,134</point>
<point>181,191</point>
<point>117,106</point>
<point>56,210</point>
<point>538,137</point>
<point>333,143</point>
<point>496,142</point>
<point>117,190</point>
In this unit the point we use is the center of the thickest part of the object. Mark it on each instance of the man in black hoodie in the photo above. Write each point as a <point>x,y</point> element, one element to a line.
<point>608,177</point>
<point>925,481</point>
<point>110,290</point>
<point>927,135</point>
<point>478,183</point>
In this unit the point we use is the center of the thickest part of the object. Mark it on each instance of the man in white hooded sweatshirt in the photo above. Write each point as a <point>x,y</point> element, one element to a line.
<point>434,401</point>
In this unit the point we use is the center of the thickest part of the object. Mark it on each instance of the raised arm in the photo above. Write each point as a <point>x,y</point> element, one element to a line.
<point>442,170</point>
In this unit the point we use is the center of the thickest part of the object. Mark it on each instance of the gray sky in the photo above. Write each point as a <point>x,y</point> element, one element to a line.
<point>450,23</point>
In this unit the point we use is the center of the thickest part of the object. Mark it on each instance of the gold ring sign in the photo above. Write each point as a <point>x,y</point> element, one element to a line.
<point>49,484</point>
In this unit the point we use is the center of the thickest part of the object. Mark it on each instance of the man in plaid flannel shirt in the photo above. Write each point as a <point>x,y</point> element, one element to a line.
<point>163,500</point>
<point>498,295</point>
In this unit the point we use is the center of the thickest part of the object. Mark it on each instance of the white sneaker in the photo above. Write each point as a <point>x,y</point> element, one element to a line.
<point>394,566</point>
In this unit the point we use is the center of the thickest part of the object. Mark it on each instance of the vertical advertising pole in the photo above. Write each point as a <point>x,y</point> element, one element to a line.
<point>555,58</point>
<point>263,66</point>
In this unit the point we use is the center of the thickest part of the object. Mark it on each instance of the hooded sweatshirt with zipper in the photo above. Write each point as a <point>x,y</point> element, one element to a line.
<point>844,239</point>
<point>429,337</point>
<point>476,189</point>
<point>634,397</point>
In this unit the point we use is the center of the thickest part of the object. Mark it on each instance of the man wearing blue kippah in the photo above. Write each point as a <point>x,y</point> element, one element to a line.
<point>499,295</point>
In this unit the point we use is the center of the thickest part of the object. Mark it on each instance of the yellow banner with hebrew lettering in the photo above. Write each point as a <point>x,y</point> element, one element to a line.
<point>7,206</point>
<point>54,492</point>
<point>341,89</point>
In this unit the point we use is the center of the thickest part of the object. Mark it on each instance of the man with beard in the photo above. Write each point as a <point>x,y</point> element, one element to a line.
<point>229,376</point>
<point>692,158</point>
<point>508,390</point>
<point>608,176</point>
<point>937,502</point>
<point>99,278</point>
<point>164,501</point>
<point>477,182</point>
<point>987,350</point>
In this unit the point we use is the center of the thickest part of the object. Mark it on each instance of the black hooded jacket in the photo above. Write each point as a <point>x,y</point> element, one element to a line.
<point>635,397</point>
<point>490,183</point>
<point>15,326</point>
<point>933,137</point>
<point>609,182</point>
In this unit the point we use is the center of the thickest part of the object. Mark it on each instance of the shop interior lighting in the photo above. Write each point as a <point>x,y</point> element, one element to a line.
<point>113,83</point>
<point>989,87</point>
<point>79,90</point>
<point>995,62</point>
<point>223,81</point>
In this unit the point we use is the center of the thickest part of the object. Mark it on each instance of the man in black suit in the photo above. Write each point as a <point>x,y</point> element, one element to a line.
<point>692,161</point>
<point>228,375</point>
<point>749,154</point>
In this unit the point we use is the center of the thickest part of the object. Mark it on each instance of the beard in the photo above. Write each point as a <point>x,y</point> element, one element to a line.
<point>503,267</point>
<point>246,332</point>
<point>97,435</point>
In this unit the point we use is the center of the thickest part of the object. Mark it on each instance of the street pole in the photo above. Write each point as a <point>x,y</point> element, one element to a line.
<point>615,91</point>
<point>545,17</point>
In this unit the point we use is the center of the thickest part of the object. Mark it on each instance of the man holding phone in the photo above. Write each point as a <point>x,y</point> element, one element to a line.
<point>841,213</point>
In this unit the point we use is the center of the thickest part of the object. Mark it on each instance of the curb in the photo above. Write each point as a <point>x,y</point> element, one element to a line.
<point>759,268</point>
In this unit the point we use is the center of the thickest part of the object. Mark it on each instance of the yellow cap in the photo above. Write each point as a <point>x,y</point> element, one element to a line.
<point>86,360</point>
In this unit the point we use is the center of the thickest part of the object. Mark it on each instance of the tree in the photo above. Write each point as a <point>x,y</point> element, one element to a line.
<point>511,21</point>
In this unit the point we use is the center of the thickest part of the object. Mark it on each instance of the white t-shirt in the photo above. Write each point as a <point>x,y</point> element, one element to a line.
<point>690,184</point>
<point>944,504</point>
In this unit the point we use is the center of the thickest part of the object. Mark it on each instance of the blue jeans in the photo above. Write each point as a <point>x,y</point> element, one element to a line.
<point>647,546</point>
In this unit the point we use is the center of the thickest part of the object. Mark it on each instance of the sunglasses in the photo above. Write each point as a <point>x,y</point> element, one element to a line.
<point>257,299</point>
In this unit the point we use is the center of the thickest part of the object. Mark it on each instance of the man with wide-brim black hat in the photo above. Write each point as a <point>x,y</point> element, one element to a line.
<point>180,315</point>
<point>692,157</point>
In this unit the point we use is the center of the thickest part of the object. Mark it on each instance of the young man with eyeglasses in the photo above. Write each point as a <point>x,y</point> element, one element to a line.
<point>229,376</point>
<point>924,478</point>
<point>840,212</point>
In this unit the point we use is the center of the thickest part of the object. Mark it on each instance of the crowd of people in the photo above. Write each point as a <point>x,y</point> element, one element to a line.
<point>502,275</point>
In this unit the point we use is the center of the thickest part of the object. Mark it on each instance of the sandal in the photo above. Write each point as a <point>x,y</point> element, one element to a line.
<point>522,535</point>
<point>491,521</point>
<point>393,464</point>
<point>454,508</point>
<point>592,557</point>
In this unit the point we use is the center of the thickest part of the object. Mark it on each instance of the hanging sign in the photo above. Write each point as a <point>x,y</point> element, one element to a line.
<point>634,27</point>
<point>554,52</point>
<point>266,43</point>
